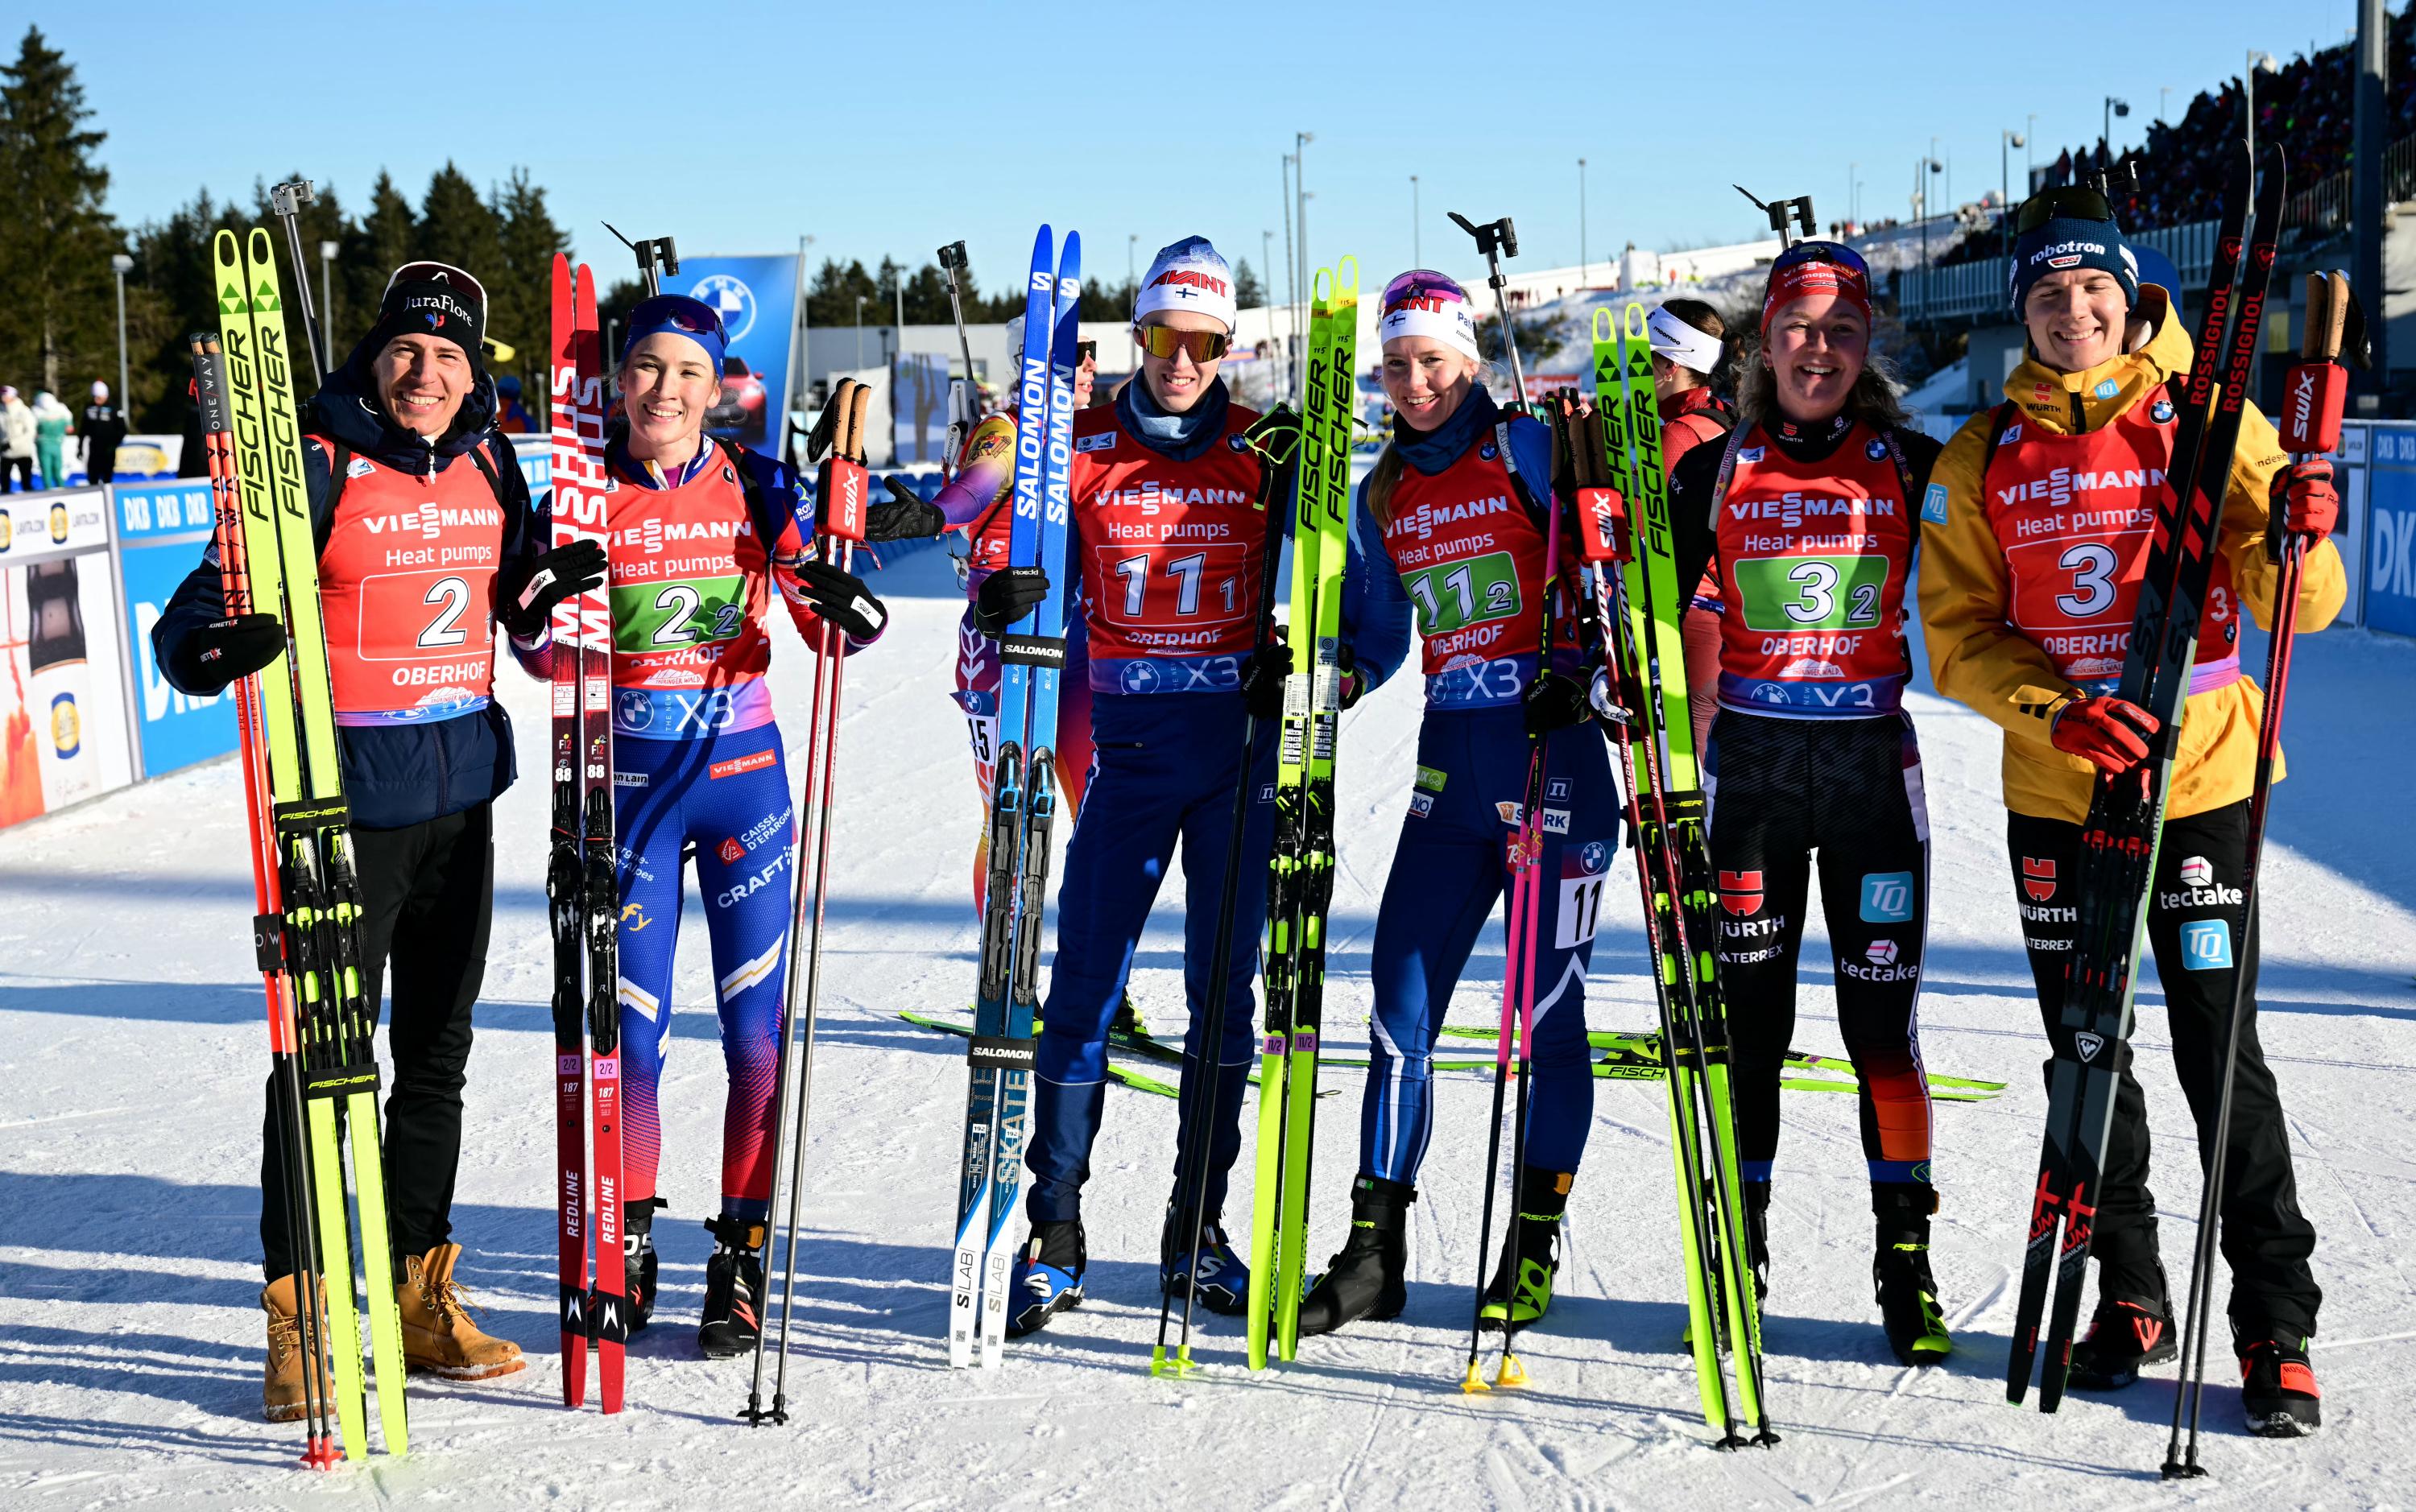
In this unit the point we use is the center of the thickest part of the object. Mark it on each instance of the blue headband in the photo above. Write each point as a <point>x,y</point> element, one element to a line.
<point>681,316</point>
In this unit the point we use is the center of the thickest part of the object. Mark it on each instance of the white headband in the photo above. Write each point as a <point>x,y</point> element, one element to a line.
<point>1447,321</point>
<point>1682,343</point>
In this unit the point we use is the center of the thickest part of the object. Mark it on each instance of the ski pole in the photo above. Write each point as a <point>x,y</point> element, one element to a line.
<point>841,498</point>
<point>287,202</point>
<point>1191,1180</point>
<point>964,404</point>
<point>655,255</point>
<point>2311,429</point>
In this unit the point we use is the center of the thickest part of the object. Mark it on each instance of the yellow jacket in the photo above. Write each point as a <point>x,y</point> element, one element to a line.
<point>1977,657</point>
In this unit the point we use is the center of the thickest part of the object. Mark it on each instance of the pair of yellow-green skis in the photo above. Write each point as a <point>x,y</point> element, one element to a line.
<point>311,950</point>
<point>1300,882</point>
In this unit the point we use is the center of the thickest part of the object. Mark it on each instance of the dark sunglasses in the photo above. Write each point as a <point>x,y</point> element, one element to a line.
<point>2069,203</point>
<point>1164,341</point>
<point>1085,351</point>
<point>1835,253</point>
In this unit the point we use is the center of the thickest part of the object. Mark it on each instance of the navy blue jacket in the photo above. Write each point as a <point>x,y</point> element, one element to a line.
<point>394,774</point>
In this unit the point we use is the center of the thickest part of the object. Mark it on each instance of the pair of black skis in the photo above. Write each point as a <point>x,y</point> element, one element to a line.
<point>2125,823</point>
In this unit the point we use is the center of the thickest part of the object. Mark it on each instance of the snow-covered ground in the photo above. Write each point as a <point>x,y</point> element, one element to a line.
<point>131,1050</point>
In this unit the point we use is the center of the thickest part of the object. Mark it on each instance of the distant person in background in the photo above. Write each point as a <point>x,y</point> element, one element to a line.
<point>104,428</point>
<point>512,416</point>
<point>1690,348</point>
<point>16,443</point>
<point>51,423</point>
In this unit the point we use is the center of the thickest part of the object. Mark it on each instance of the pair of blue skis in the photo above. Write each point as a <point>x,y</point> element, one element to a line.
<point>1023,804</point>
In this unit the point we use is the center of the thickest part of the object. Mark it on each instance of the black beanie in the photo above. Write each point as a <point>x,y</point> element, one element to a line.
<point>432,299</point>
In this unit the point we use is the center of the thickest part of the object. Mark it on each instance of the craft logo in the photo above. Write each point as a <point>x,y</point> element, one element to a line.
<point>2198,872</point>
<point>2206,945</point>
<point>730,299</point>
<point>1887,897</point>
<point>1740,892</point>
<point>2038,877</point>
<point>1881,952</point>
<point>730,851</point>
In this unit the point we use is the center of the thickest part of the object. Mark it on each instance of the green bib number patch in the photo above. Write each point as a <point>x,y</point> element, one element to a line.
<point>1452,595</point>
<point>1781,594</point>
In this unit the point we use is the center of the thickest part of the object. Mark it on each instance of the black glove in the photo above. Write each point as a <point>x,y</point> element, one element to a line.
<point>1262,681</point>
<point>1007,596</point>
<point>841,597</point>
<point>904,517</point>
<point>526,592</point>
<point>1555,701</point>
<point>224,649</point>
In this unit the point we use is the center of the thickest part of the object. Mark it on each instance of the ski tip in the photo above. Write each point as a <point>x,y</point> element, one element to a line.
<point>1605,325</point>
<point>1511,1374</point>
<point>1346,279</point>
<point>1474,1383</point>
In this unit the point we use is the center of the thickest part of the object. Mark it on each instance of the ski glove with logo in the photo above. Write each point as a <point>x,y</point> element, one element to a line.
<point>2106,731</point>
<point>903,516</point>
<point>224,649</point>
<point>841,597</point>
<point>1263,672</point>
<point>526,592</point>
<point>2305,500</point>
<point>1007,596</point>
<point>1555,701</point>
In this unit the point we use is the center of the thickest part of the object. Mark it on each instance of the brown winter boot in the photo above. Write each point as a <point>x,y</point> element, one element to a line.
<point>281,1386</point>
<point>438,1338</point>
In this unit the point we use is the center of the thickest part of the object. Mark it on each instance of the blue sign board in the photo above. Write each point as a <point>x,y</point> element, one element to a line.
<point>2391,532</point>
<point>163,528</point>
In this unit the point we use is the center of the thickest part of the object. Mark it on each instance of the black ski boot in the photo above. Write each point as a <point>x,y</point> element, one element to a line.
<point>638,1259</point>
<point>2277,1388</point>
<point>1522,1288</point>
<point>1127,1019</point>
<point>2129,1332</point>
<point>1757,1238</point>
<point>733,1289</point>
<point>1908,1294</point>
<point>1367,1279</point>
<point>1048,1277</point>
<point>1222,1282</point>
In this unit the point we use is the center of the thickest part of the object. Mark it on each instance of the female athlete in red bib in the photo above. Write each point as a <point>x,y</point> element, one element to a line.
<point>1807,516</point>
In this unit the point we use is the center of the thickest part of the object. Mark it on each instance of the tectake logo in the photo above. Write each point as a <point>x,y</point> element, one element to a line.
<point>1881,952</point>
<point>2198,872</point>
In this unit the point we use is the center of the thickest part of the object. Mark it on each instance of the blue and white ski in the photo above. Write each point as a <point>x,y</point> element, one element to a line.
<point>1023,804</point>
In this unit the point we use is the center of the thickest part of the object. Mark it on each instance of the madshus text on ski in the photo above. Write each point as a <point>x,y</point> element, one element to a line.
<point>1699,566</point>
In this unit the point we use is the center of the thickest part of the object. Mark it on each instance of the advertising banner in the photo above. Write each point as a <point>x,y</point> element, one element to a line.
<point>62,734</point>
<point>918,399</point>
<point>161,528</point>
<point>2391,531</point>
<point>757,297</point>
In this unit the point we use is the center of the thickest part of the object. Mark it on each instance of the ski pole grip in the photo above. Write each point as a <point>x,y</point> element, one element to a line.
<point>1602,533</point>
<point>846,490</point>
<point>2312,403</point>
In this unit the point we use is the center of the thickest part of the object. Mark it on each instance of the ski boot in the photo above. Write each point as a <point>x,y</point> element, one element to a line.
<point>2277,1388</point>
<point>438,1338</point>
<point>638,1259</point>
<point>733,1288</point>
<point>1367,1279</point>
<point>1908,1294</point>
<point>1522,1288</point>
<point>1222,1282</point>
<point>2128,1332</point>
<point>1048,1277</point>
<point>1127,1019</point>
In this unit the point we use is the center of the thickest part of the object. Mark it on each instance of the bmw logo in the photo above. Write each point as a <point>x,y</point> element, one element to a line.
<point>2161,412</point>
<point>1594,857</point>
<point>730,299</point>
<point>1139,676</point>
<point>637,711</point>
<point>1770,692</point>
<point>1488,451</point>
<point>1875,450</point>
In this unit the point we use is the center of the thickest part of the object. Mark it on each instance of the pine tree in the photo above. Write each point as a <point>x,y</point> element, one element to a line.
<point>56,236</point>
<point>517,308</point>
<point>456,225</point>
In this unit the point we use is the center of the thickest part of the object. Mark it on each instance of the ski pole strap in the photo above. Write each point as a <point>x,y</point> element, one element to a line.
<point>268,942</point>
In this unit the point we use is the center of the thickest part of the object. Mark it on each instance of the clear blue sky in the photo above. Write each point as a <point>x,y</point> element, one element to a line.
<point>891,128</point>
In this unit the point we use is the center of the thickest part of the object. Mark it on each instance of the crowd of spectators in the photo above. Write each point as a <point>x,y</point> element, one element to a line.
<point>2177,177</point>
